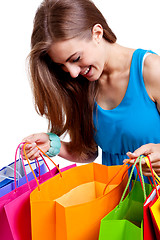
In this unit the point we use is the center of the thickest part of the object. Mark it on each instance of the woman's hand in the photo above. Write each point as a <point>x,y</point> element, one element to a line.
<point>39,139</point>
<point>153,151</point>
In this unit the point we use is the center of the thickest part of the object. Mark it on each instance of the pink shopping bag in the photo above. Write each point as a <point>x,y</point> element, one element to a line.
<point>15,220</point>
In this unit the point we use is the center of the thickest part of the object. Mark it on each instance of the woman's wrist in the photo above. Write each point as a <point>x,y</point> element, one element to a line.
<point>55,145</point>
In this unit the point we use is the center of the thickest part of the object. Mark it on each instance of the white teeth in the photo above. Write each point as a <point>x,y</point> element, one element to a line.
<point>87,70</point>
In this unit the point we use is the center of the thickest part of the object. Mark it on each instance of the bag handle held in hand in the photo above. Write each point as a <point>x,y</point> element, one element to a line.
<point>154,174</point>
<point>130,177</point>
<point>148,162</point>
<point>20,148</point>
<point>23,167</point>
<point>31,166</point>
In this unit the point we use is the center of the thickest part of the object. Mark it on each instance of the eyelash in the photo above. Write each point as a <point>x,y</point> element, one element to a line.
<point>77,59</point>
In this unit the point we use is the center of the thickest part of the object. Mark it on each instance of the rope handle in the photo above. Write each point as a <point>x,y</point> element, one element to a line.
<point>38,163</point>
<point>141,177</point>
<point>154,174</point>
<point>123,166</point>
<point>50,160</point>
<point>148,162</point>
<point>32,168</point>
<point>20,148</point>
<point>15,183</point>
<point>130,177</point>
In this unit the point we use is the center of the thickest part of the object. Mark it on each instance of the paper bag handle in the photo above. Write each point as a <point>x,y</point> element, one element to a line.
<point>123,166</point>
<point>130,177</point>
<point>31,166</point>
<point>23,167</point>
<point>20,148</point>
<point>154,174</point>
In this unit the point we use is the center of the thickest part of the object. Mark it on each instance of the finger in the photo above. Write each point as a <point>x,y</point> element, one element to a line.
<point>132,161</point>
<point>147,174</point>
<point>30,146</point>
<point>143,150</point>
<point>146,170</point>
<point>125,160</point>
<point>154,157</point>
<point>131,155</point>
<point>33,153</point>
<point>155,161</point>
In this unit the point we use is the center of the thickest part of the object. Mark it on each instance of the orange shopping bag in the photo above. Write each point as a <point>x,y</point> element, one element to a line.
<point>77,214</point>
<point>71,204</point>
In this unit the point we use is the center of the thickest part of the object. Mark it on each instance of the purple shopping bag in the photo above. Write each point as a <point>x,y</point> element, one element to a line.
<point>7,172</point>
<point>15,220</point>
<point>7,185</point>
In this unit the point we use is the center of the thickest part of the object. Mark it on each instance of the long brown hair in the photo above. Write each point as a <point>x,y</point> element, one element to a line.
<point>67,103</point>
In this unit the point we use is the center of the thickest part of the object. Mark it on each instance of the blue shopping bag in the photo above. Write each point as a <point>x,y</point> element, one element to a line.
<point>7,174</point>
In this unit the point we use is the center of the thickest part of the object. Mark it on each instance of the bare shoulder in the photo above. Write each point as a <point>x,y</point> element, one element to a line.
<point>151,75</point>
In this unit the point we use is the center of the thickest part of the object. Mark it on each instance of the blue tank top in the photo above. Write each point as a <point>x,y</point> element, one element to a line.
<point>134,122</point>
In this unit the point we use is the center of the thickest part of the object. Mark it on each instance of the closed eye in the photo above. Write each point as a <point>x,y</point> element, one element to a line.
<point>77,59</point>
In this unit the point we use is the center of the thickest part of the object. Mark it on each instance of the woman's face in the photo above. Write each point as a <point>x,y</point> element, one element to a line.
<point>79,56</point>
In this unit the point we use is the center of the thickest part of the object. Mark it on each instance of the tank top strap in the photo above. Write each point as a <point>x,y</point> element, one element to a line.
<point>136,84</point>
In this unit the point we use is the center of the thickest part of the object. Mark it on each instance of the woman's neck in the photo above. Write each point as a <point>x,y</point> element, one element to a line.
<point>118,58</point>
<point>115,77</point>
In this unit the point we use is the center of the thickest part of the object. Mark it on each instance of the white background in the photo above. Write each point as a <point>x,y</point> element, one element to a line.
<point>135,23</point>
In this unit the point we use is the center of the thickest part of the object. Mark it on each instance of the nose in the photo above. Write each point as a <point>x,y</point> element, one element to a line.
<point>73,69</point>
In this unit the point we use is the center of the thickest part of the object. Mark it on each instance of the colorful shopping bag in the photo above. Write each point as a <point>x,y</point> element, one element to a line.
<point>15,209</point>
<point>125,220</point>
<point>7,173</point>
<point>148,223</point>
<point>155,214</point>
<point>71,206</point>
<point>7,185</point>
<point>152,209</point>
<point>150,226</point>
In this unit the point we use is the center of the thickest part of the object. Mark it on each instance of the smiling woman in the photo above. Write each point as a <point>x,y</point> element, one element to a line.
<point>55,47</point>
<point>84,55</point>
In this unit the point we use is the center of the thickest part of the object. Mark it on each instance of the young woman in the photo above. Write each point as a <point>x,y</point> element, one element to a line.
<point>87,85</point>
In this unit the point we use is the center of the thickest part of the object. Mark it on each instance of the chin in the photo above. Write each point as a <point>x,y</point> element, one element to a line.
<point>92,79</point>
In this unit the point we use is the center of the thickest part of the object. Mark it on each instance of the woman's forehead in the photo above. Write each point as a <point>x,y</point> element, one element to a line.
<point>64,49</point>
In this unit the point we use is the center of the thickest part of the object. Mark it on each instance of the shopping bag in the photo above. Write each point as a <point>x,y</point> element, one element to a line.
<point>155,215</point>
<point>15,209</point>
<point>7,174</point>
<point>71,206</point>
<point>152,209</point>
<point>125,221</point>
<point>148,222</point>
<point>151,231</point>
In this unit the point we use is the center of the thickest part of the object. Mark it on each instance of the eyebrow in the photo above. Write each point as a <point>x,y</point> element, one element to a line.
<point>70,57</point>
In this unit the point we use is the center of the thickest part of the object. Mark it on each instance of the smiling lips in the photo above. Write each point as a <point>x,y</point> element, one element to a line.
<point>86,71</point>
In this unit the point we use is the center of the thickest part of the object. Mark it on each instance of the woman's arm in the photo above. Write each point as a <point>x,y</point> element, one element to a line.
<point>74,158</point>
<point>42,141</point>
<point>151,75</point>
